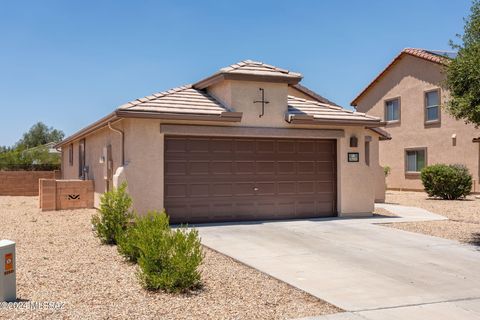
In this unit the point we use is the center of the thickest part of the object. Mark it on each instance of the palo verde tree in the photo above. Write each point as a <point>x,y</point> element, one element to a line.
<point>463,72</point>
<point>39,134</point>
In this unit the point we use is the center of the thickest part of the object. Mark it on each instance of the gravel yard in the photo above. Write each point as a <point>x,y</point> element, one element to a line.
<point>464,216</point>
<point>59,260</point>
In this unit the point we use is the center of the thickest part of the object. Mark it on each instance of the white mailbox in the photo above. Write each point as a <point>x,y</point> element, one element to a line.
<point>8,281</point>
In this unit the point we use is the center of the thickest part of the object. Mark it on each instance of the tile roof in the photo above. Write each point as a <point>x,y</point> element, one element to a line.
<point>258,68</point>
<point>430,55</point>
<point>440,57</point>
<point>184,99</point>
<point>250,70</point>
<point>322,111</point>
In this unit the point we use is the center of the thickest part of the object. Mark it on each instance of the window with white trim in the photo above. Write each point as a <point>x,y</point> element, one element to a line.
<point>416,160</point>
<point>392,110</point>
<point>432,105</point>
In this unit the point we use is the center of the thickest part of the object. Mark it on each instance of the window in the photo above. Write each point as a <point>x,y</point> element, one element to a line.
<point>70,154</point>
<point>432,106</point>
<point>392,110</point>
<point>415,160</point>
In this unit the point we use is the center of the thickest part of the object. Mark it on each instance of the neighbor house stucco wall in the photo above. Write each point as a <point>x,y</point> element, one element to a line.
<point>408,79</point>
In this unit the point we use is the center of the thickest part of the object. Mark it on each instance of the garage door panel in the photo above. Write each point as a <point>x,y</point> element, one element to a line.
<point>287,146</point>
<point>286,167</point>
<point>265,146</point>
<point>222,167</point>
<point>229,179</point>
<point>200,145</point>
<point>176,191</point>
<point>287,187</point>
<point>244,189</point>
<point>221,190</point>
<point>198,167</point>
<point>176,167</point>
<point>265,167</point>
<point>199,190</point>
<point>245,167</point>
<point>306,167</point>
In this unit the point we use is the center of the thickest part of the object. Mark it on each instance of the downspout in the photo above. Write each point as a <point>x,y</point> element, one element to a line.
<point>123,140</point>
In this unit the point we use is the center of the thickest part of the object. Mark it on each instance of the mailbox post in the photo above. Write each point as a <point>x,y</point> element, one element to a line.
<point>8,281</point>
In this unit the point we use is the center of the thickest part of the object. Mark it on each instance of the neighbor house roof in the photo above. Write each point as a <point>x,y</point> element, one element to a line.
<point>309,111</point>
<point>250,70</point>
<point>435,56</point>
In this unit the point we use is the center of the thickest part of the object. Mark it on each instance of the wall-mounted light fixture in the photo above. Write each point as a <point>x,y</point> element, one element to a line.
<point>454,139</point>
<point>353,142</point>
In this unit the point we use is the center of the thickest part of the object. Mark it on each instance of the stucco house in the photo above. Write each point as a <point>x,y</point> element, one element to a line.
<point>246,143</point>
<point>408,96</point>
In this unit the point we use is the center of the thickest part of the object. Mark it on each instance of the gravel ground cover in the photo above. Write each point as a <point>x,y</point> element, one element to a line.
<point>464,216</point>
<point>59,260</point>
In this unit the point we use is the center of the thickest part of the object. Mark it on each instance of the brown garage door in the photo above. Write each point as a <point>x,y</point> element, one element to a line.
<point>231,179</point>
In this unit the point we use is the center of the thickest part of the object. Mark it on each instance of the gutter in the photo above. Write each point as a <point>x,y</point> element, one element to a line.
<point>123,140</point>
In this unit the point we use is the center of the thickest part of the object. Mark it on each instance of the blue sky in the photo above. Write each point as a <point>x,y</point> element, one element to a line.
<point>68,63</point>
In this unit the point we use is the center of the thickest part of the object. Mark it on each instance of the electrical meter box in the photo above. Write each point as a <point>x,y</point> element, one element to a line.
<point>8,277</point>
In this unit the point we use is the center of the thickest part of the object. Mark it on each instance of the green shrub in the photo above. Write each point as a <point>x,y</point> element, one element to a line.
<point>168,259</point>
<point>387,170</point>
<point>153,225</point>
<point>114,215</point>
<point>446,181</point>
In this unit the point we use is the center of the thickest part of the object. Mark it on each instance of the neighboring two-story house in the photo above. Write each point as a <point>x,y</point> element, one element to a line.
<point>408,96</point>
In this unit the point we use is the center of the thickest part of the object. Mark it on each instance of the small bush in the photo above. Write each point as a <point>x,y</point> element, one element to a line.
<point>153,225</point>
<point>114,215</point>
<point>387,170</point>
<point>446,181</point>
<point>168,259</point>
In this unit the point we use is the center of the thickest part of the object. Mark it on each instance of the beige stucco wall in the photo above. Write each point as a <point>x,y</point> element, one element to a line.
<point>94,146</point>
<point>408,79</point>
<point>144,149</point>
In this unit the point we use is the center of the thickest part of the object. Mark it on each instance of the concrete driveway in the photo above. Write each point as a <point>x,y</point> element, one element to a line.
<point>371,271</point>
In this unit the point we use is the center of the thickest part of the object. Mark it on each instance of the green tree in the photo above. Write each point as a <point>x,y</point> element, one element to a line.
<point>463,72</point>
<point>38,135</point>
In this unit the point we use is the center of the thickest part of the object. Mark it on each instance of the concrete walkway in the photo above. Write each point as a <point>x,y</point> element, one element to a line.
<point>371,271</point>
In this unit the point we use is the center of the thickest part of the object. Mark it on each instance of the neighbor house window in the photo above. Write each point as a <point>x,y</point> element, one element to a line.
<point>432,106</point>
<point>70,154</point>
<point>416,160</point>
<point>392,110</point>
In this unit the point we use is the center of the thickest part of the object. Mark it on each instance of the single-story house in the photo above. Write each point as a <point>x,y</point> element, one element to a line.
<point>246,143</point>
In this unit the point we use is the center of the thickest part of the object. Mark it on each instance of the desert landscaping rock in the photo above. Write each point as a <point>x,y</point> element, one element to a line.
<point>59,260</point>
<point>464,216</point>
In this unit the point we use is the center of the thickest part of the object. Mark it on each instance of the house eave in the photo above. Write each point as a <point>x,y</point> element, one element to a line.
<point>226,116</point>
<point>89,129</point>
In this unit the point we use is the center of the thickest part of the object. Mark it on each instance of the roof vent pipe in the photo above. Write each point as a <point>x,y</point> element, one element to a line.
<point>123,140</point>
